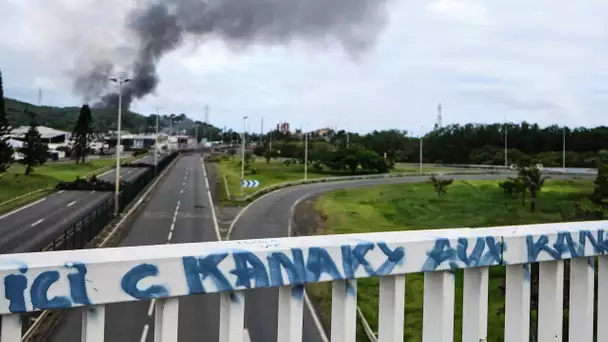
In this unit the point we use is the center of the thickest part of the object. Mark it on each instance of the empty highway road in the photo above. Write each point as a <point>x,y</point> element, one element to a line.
<point>179,211</point>
<point>25,228</point>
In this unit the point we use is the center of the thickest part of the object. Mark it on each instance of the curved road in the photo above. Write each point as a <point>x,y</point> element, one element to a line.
<point>270,216</point>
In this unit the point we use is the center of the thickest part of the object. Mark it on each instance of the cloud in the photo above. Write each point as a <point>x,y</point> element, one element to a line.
<point>484,61</point>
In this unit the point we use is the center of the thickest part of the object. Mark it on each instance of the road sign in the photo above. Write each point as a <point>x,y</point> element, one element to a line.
<point>250,183</point>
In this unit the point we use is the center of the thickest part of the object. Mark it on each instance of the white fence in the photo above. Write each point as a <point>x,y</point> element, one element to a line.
<point>92,278</point>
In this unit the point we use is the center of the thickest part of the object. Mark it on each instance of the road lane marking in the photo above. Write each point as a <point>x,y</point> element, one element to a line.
<point>170,236</point>
<point>22,208</point>
<point>215,224</point>
<point>181,192</point>
<point>60,191</point>
<point>246,337</point>
<point>151,308</point>
<point>144,334</point>
<point>184,184</point>
<point>37,222</point>
<point>93,191</point>
<point>71,203</point>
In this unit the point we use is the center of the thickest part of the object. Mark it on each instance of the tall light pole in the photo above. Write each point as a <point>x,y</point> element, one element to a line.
<point>564,149</point>
<point>156,145</point>
<point>118,141</point>
<point>421,135</point>
<point>243,153</point>
<point>506,139</point>
<point>305,155</point>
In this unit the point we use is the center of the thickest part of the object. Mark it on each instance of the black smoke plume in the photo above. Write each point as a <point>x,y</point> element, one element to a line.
<point>161,26</point>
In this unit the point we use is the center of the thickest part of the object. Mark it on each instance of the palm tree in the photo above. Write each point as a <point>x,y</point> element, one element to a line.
<point>534,181</point>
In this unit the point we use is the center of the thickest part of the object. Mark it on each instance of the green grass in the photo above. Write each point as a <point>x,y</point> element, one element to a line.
<point>416,206</point>
<point>14,183</point>
<point>277,172</point>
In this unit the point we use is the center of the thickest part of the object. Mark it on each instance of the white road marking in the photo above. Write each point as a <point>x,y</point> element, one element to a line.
<point>181,192</point>
<point>170,236</point>
<point>60,191</point>
<point>246,337</point>
<point>37,222</point>
<point>144,334</point>
<point>215,224</point>
<point>22,208</point>
<point>93,191</point>
<point>151,308</point>
<point>184,184</point>
<point>71,203</point>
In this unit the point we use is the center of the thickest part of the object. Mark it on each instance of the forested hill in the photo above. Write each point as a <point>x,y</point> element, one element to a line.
<point>104,118</point>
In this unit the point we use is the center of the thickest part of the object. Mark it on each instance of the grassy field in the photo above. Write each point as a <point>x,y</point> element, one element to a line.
<point>416,206</point>
<point>277,172</point>
<point>14,183</point>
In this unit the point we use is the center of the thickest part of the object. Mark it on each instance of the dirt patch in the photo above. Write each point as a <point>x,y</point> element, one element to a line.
<point>306,220</point>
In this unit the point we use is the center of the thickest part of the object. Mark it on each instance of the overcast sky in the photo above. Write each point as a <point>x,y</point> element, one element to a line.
<point>536,60</point>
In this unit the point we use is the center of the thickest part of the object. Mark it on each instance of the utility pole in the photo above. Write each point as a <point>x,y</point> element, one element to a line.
<point>262,132</point>
<point>243,152</point>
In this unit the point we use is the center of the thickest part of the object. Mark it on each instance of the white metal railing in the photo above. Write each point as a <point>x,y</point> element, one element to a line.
<point>93,278</point>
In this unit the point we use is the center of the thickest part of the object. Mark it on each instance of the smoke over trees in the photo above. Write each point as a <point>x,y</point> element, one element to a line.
<point>161,26</point>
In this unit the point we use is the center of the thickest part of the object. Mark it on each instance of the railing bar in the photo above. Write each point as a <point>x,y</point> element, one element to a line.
<point>438,308</point>
<point>93,322</point>
<point>290,313</point>
<point>166,319</point>
<point>391,308</point>
<point>602,297</point>
<point>517,303</point>
<point>581,299</point>
<point>475,304</point>
<point>232,316</point>
<point>344,310</point>
<point>11,328</point>
<point>550,300</point>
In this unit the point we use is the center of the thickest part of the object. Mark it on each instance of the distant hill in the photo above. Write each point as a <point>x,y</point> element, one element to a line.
<point>64,118</point>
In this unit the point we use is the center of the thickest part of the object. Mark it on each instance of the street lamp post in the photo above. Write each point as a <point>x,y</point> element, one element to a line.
<point>506,140</point>
<point>305,155</point>
<point>118,142</point>
<point>421,135</point>
<point>243,153</point>
<point>156,146</point>
<point>564,149</point>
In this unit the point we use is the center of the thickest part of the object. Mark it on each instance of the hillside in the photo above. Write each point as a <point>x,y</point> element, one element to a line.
<point>64,118</point>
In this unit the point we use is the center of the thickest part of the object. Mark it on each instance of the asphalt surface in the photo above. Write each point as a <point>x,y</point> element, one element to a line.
<point>181,197</point>
<point>25,227</point>
<point>185,189</point>
<point>269,217</point>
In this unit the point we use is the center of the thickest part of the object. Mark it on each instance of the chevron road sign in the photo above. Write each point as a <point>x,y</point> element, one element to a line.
<point>250,183</point>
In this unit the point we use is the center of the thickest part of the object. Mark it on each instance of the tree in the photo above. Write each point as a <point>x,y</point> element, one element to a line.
<point>82,133</point>
<point>441,185</point>
<point>34,150</point>
<point>534,180</point>
<point>6,150</point>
